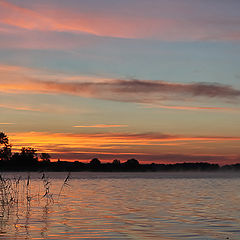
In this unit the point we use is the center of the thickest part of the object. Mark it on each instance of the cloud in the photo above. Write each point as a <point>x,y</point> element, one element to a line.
<point>43,39</point>
<point>138,91</point>
<point>6,123</point>
<point>19,80</point>
<point>26,18</point>
<point>190,108</point>
<point>101,126</point>
<point>18,74</point>
<point>20,108</point>
<point>167,22</point>
<point>108,140</point>
<point>46,108</point>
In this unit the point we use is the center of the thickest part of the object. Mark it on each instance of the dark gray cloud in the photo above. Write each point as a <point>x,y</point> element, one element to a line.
<point>143,90</point>
<point>133,90</point>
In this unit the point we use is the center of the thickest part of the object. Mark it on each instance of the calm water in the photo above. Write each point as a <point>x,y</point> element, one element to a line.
<point>127,206</point>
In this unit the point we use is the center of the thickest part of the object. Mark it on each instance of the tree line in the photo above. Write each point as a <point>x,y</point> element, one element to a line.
<point>26,155</point>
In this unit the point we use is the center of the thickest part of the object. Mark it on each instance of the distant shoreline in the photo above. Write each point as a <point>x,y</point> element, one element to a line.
<point>131,165</point>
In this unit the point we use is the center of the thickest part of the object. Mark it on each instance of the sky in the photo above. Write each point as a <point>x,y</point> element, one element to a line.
<point>155,80</point>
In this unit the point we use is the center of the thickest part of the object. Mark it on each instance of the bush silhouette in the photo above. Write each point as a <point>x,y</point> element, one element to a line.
<point>45,157</point>
<point>95,162</point>
<point>132,162</point>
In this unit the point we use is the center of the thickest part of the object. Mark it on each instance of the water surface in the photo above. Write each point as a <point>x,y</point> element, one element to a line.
<point>126,206</point>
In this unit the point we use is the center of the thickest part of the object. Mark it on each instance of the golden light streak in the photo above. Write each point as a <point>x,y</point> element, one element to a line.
<point>21,108</point>
<point>101,126</point>
<point>45,140</point>
<point>35,73</point>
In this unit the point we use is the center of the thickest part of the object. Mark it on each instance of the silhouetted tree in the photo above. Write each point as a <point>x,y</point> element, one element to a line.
<point>45,157</point>
<point>15,157</point>
<point>132,162</point>
<point>116,162</point>
<point>95,162</point>
<point>28,155</point>
<point>6,150</point>
<point>6,153</point>
<point>3,139</point>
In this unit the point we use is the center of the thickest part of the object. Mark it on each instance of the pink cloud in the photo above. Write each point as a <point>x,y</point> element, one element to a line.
<point>34,39</point>
<point>105,23</point>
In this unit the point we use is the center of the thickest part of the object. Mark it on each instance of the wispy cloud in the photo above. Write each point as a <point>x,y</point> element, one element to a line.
<point>20,108</point>
<point>108,139</point>
<point>167,23</point>
<point>6,123</point>
<point>139,91</point>
<point>101,126</point>
<point>15,79</point>
<point>44,108</point>
<point>190,108</point>
<point>34,39</point>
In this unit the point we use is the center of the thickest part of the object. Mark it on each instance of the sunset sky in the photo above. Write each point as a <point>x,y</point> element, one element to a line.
<point>155,80</point>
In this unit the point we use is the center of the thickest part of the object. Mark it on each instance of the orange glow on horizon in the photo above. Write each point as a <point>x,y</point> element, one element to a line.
<point>112,144</point>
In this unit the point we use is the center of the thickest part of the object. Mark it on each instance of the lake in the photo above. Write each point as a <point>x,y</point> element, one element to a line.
<point>124,206</point>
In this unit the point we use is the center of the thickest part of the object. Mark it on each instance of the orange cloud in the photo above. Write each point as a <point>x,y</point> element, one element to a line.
<point>105,139</point>
<point>14,73</point>
<point>100,126</point>
<point>21,108</point>
<point>5,123</point>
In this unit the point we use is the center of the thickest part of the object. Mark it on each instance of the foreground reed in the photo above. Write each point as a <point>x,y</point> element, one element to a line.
<point>15,191</point>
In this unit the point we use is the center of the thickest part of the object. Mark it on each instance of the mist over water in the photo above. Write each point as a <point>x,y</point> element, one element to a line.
<point>128,206</point>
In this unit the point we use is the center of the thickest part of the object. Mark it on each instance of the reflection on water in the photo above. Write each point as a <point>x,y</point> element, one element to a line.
<point>127,206</point>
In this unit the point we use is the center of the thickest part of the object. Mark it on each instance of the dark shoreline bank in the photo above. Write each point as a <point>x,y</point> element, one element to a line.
<point>129,166</point>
